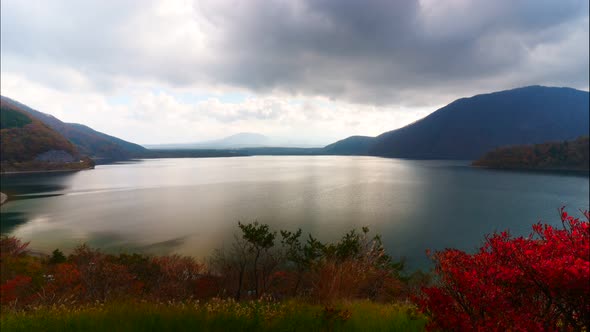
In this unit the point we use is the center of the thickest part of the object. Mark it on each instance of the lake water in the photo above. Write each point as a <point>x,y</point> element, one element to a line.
<point>192,206</point>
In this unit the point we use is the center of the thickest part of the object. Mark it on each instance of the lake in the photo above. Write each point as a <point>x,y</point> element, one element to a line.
<point>192,206</point>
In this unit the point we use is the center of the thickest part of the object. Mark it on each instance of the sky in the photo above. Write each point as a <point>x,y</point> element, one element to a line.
<point>304,71</point>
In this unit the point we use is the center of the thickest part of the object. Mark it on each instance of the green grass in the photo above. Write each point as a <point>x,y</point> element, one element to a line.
<point>220,315</point>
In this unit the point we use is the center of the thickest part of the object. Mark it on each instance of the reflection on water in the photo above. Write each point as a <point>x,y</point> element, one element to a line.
<point>191,206</point>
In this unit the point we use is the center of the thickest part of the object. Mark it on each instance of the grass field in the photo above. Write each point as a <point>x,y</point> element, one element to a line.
<point>218,315</point>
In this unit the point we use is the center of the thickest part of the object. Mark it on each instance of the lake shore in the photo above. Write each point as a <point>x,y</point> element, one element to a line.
<point>46,171</point>
<point>572,171</point>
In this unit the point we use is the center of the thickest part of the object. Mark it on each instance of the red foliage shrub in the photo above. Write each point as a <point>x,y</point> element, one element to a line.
<point>14,289</point>
<point>177,277</point>
<point>207,287</point>
<point>535,283</point>
<point>64,283</point>
<point>101,278</point>
<point>11,246</point>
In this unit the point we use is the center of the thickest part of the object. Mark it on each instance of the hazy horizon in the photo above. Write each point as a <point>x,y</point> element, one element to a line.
<point>310,72</point>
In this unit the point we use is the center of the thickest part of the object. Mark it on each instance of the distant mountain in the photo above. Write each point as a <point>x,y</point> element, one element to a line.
<point>567,155</point>
<point>237,141</point>
<point>88,141</point>
<point>353,145</point>
<point>281,151</point>
<point>27,144</point>
<point>240,140</point>
<point>469,127</point>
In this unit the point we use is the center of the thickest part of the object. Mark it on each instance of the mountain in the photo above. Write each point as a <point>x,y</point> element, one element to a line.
<point>353,145</point>
<point>88,141</point>
<point>567,155</point>
<point>469,127</point>
<point>237,141</point>
<point>27,144</point>
<point>240,140</point>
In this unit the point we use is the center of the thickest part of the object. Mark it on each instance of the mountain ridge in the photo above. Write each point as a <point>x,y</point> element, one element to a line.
<point>469,127</point>
<point>242,140</point>
<point>89,142</point>
<point>28,144</point>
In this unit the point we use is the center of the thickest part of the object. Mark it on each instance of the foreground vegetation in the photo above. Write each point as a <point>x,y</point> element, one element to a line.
<point>279,282</point>
<point>220,315</point>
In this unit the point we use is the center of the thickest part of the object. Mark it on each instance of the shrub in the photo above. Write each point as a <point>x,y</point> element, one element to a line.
<point>102,278</point>
<point>355,267</point>
<point>11,246</point>
<point>177,278</point>
<point>64,284</point>
<point>539,282</point>
<point>13,290</point>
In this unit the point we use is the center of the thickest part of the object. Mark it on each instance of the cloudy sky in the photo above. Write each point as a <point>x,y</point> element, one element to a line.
<point>311,71</point>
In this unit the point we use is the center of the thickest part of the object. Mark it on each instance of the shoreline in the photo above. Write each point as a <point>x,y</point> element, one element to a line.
<point>46,171</point>
<point>532,169</point>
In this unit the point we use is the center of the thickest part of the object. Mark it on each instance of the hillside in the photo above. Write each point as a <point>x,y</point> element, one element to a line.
<point>469,127</point>
<point>353,145</point>
<point>88,141</point>
<point>567,155</point>
<point>27,144</point>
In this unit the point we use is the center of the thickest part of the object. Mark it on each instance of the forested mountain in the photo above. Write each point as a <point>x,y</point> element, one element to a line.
<point>353,145</point>
<point>566,155</point>
<point>465,129</point>
<point>88,141</point>
<point>469,127</point>
<point>27,144</point>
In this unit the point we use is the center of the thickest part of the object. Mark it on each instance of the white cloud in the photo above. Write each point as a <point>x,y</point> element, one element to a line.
<point>150,117</point>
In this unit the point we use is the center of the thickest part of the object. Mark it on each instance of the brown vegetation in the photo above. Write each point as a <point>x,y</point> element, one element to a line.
<point>356,267</point>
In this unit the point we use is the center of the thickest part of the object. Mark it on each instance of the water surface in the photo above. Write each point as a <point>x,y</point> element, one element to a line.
<point>192,206</point>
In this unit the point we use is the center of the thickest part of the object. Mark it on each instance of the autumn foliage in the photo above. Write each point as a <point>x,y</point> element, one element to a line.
<point>258,266</point>
<point>567,155</point>
<point>536,283</point>
<point>89,275</point>
<point>24,139</point>
<point>539,282</point>
<point>354,267</point>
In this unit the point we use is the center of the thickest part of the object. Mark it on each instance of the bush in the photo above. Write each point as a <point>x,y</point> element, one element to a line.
<point>355,267</point>
<point>534,283</point>
<point>177,279</point>
<point>101,276</point>
<point>11,246</point>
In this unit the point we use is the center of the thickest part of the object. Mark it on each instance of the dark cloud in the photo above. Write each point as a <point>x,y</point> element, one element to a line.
<point>373,52</point>
<point>383,51</point>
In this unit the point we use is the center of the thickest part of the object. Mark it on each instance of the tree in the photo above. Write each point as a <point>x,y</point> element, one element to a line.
<point>57,257</point>
<point>260,239</point>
